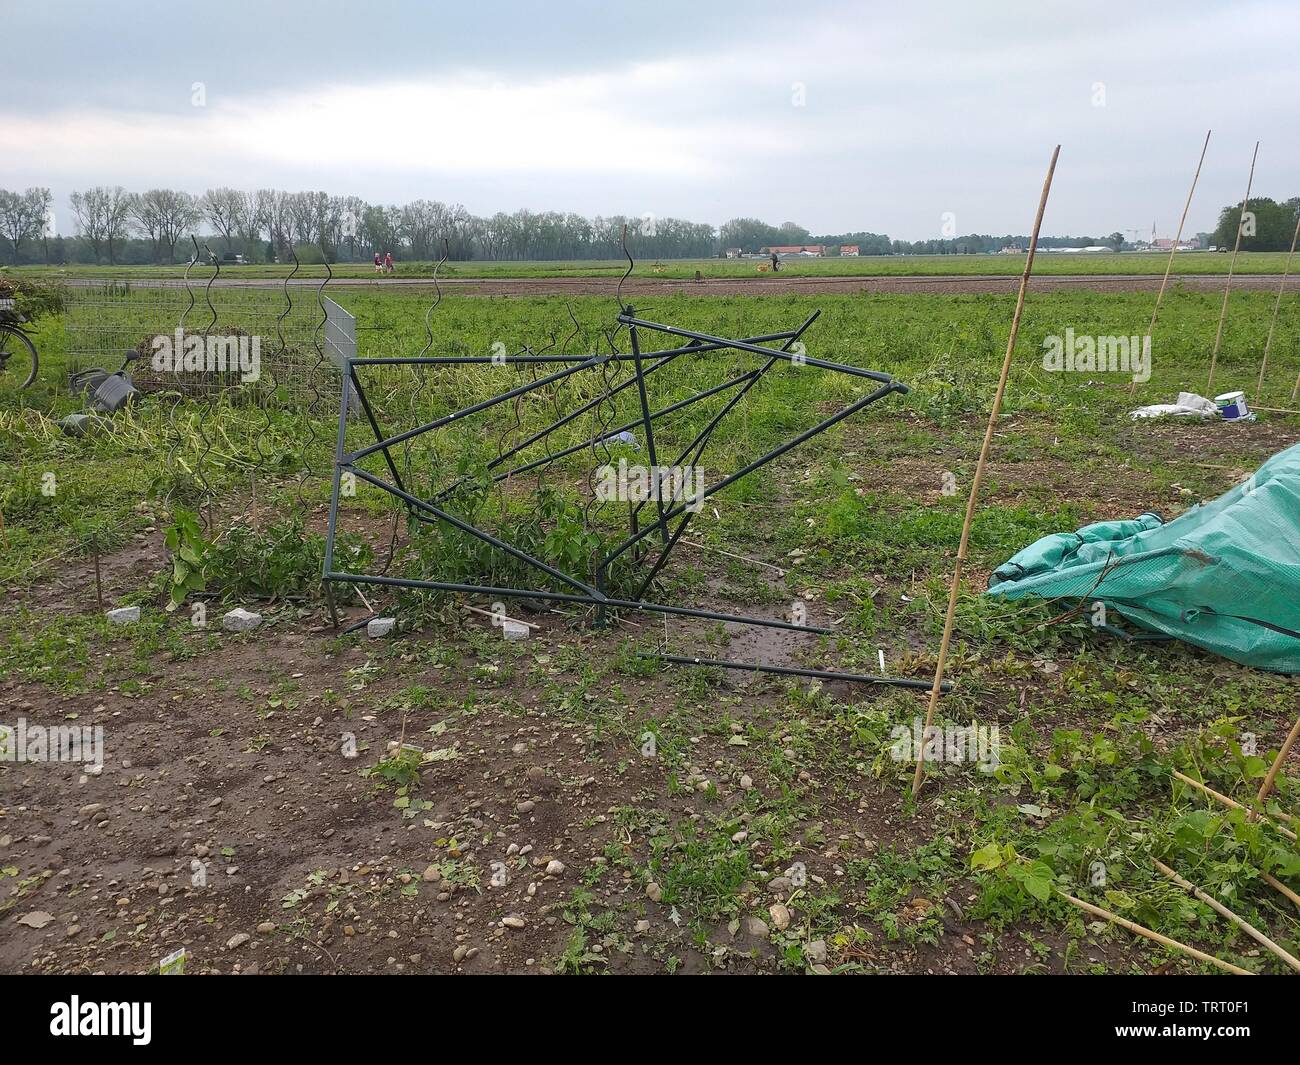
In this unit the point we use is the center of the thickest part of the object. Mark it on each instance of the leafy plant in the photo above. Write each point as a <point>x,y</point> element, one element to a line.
<point>401,768</point>
<point>279,561</point>
<point>185,540</point>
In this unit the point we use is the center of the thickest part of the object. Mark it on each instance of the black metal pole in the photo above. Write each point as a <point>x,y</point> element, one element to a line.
<point>374,425</point>
<point>776,452</point>
<point>567,597</point>
<point>501,397</point>
<point>648,428</point>
<point>660,413</point>
<point>807,360</point>
<point>702,437</point>
<point>486,537</point>
<point>794,671</point>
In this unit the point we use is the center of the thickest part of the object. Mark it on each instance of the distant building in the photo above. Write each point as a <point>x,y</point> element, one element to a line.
<point>1165,243</point>
<point>850,249</point>
<point>735,253</point>
<point>1012,249</point>
<point>795,249</point>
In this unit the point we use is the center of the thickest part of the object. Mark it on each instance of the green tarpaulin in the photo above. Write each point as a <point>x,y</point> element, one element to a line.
<point>1224,576</point>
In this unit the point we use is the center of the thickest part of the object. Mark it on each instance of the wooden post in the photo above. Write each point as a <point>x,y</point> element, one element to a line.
<point>99,577</point>
<point>1277,885</point>
<point>1287,744</point>
<point>1227,285</point>
<point>1138,929</point>
<point>1218,795</point>
<point>1223,911</point>
<point>973,501</point>
<point>1132,385</point>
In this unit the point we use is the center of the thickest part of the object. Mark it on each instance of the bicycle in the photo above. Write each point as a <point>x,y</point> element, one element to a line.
<point>15,343</point>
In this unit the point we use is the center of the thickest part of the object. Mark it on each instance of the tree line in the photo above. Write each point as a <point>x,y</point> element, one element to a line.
<point>115,226</point>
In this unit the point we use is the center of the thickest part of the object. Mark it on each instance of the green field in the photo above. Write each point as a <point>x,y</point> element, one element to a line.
<point>965,877</point>
<point>1052,263</point>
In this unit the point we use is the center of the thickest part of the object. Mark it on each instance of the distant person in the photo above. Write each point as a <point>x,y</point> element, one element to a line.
<point>776,262</point>
<point>379,263</point>
<point>388,263</point>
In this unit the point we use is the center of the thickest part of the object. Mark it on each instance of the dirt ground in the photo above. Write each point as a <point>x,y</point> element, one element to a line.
<point>230,817</point>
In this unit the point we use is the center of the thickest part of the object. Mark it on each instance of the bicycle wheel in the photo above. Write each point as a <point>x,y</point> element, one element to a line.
<point>15,344</point>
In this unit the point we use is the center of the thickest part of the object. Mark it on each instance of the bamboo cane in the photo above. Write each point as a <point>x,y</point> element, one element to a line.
<point>1233,803</point>
<point>1132,385</point>
<point>498,618</point>
<point>1227,285</point>
<point>1287,744</point>
<point>1223,911</point>
<point>1275,883</point>
<point>1277,305</point>
<point>1124,922</point>
<point>973,501</point>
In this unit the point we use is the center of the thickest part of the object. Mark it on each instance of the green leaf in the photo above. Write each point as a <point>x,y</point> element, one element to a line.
<point>990,856</point>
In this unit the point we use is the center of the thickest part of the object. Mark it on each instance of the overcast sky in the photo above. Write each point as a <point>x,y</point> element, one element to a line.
<point>839,116</point>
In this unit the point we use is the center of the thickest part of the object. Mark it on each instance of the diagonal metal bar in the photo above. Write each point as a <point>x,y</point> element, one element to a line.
<point>501,397</point>
<point>806,360</point>
<point>382,445</point>
<point>578,412</point>
<point>762,460</point>
<point>473,530</point>
<point>698,445</point>
<point>647,427</point>
<point>662,412</point>
<point>665,357</point>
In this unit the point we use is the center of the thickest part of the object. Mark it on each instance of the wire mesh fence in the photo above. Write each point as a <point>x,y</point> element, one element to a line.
<point>276,344</point>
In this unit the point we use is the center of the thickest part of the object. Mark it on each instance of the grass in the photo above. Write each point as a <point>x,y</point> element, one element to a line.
<point>1123,263</point>
<point>1083,797</point>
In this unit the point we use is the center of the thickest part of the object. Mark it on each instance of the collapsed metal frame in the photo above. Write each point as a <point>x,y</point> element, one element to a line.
<point>644,363</point>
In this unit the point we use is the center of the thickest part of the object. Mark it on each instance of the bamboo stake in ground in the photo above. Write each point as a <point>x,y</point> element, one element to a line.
<point>1287,744</point>
<point>498,618</point>
<point>99,579</point>
<point>1227,285</point>
<point>1277,305</point>
<point>1232,803</point>
<point>1277,885</point>
<point>1223,911</point>
<point>1271,881</point>
<point>1132,385</point>
<point>973,501</point>
<point>1123,922</point>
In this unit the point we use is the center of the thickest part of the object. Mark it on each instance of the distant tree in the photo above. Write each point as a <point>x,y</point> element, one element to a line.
<point>22,216</point>
<point>177,211</point>
<point>749,234</point>
<point>103,216</point>
<point>226,209</point>
<point>1269,225</point>
<point>40,204</point>
<point>1116,240</point>
<point>146,219</point>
